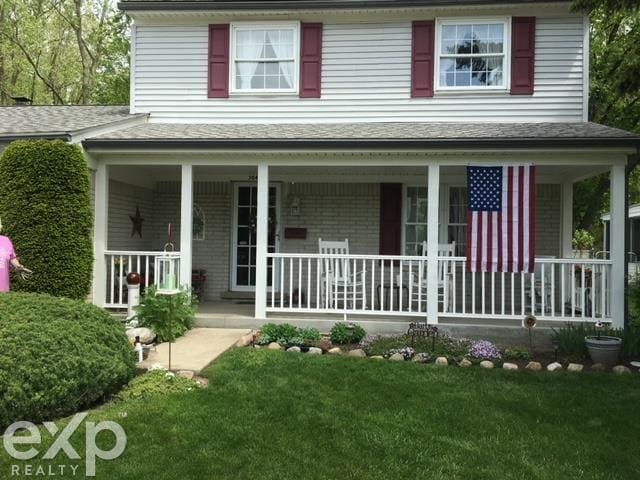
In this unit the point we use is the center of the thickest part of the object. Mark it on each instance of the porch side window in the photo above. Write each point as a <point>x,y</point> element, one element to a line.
<point>415,225</point>
<point>457,228</point>
<point>264,58</point>
<point>472,55</point>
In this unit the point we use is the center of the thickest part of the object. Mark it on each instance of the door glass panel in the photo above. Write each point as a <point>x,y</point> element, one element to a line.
<point>245,249</point>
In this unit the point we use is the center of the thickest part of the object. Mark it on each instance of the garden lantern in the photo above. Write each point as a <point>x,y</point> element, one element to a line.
<point>168,271</point>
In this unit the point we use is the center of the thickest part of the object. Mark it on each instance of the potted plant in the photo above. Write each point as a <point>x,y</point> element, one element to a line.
<point>603,349</point>
<point>583,243</point>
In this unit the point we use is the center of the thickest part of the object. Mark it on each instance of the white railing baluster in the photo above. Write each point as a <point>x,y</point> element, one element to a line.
<point>454,298</point>
<point>522,287</point>
<point>603,292</point>
<point>308,283</point>
<point>533,292</point>
<point>502,299</point>
<point>513,293</point>
<point>120,282</point>
<point>542,290</point>
<point>582,287</point>
<point>484,292</point>
<point>553,289</point>
<point>493,293</point>
<point>282,273</point>
<point>273,282</point>
<point>473,292</point>
<point>464,286</point>
<point>391,288</point>
<point>318,281</point>
<point>410,288</point>
<point>373,281</point>
<point>593,292</point>
<point>563,293</point>
<point>299,287</point>
<point>573,290</point>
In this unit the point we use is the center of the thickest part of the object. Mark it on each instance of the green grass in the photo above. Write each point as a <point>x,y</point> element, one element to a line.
<point>275,415</point>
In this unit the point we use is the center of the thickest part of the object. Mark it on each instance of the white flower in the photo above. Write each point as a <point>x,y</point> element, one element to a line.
<point>169,374</point>
<point>156,366</point>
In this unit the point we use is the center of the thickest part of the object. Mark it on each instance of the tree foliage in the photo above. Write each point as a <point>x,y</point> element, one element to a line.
<point>46,211</point>
<point>614,94</point>
<point>63,52</point>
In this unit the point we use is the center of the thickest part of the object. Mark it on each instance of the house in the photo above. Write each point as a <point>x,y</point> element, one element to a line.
<point>260,129</point>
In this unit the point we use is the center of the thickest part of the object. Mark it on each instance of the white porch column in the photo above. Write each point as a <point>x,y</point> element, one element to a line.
<point>617,244</point>
<point>262,240</point>
<point>567,220</point>
<point>186,225</point>
<point>100,233</point>
<point>433,207</point>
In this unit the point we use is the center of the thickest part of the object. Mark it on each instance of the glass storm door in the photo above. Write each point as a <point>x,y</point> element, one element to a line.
<point>243,271</point>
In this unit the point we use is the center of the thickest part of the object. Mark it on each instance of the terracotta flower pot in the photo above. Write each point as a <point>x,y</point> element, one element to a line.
<point>604,350</point>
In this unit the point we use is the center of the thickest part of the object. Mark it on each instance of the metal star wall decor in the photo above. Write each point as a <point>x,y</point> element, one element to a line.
<point>137,223</point>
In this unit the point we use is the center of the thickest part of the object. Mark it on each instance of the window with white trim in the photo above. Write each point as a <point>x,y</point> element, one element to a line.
<point>264,58</point>
<point>458,211</point>
<point>472,55</point>
<point>415,219</point>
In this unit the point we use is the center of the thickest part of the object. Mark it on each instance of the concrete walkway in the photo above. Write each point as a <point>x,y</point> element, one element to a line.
<point>196,349</point>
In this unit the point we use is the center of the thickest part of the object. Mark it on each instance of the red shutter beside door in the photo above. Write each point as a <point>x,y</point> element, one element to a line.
<point>523,47</point>
<point>311,60</point>
<point>422,58</point>
<point>390,218</point>
<point>218,85</point>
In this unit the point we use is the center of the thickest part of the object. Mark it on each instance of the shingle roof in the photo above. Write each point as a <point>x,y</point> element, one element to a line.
<point>304,4</point>
<point>58,121</point>
<point>359,134</point>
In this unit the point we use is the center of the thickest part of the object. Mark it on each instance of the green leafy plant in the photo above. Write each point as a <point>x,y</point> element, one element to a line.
<point>342,333</point>
<point>153,313</point>
<point>634,301</point>
<point>283,333</point>
<point>583,240</point>
<point>58,357</point>
<point>45,206</point>
<point>156,382</point>
<point>516,353</point>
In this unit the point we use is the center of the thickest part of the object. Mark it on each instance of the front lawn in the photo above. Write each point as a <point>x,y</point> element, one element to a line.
<point>271,414</point>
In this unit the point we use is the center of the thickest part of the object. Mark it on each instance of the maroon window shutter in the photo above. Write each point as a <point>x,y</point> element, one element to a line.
<point>422,58</point>
<point>311,60</point>
<point>218,61</point>
<point>390,218</point>
<point>523,48</point>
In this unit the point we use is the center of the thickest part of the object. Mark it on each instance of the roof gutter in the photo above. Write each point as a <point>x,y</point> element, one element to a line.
<point>358,144</point>
<point>230,5</point>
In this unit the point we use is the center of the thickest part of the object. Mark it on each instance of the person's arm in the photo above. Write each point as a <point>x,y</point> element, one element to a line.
<point>16,263</point>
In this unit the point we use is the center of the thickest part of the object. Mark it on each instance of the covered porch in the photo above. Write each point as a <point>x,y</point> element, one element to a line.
<point>249,228</point>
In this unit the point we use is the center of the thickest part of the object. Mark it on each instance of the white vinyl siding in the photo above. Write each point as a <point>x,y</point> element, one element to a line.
<point>366,76</point>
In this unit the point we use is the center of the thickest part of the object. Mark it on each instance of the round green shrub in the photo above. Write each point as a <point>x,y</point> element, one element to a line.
<point>342,333</point>
<point>58,356</point>
<point>45,206</point>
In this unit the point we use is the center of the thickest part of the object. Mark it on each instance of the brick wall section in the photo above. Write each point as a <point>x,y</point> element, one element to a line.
<point>123,199</point>
<point>548,219</point>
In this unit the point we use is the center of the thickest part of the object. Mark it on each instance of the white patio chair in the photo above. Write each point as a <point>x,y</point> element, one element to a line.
<point>420,287</point>
<point>538,282</point>
<point>337,277</point>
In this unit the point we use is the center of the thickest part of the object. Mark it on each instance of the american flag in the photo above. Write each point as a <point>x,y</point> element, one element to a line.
<point>501,232</point>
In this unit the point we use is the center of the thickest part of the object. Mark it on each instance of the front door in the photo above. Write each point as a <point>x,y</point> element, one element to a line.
<point>243,268</point>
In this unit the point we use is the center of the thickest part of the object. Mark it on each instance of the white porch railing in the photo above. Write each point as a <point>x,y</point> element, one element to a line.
<point>120,263</point>
<point>560,289</point>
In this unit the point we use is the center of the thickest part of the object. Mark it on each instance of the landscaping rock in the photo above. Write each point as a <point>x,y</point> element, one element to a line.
<point>314,351</point>
<point>486,364</point>
<point>146,335</point>
<point>377,357</point>
<point>274,346</point>
<point>555,366</point>
<point>621,370</point>
<point>534,366</point>
<point>575,367</point>
<point>465,363</point>
<point>335,351</point>
<point>188,374</point>
<point>509,366</point>
<point>358,352</point>
<point>325,344</point>
<point>202,382</point>
<point>257,346</point>
<point>597,367</point>
<point>245,340</point>
<point>421,358</point>
<point>442,361</point>
<point>294,349</point>
<point>397,357</point>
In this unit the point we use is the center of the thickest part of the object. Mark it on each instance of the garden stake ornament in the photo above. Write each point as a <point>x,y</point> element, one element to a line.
<point>530,322</point>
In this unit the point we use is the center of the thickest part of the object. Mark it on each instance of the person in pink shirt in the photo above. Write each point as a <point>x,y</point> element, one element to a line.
<point>7,259</point>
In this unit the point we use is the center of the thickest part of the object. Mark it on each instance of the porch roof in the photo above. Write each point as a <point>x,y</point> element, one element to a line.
<point>223,5</point>
<point>365,135</point>
<point>60,121</point>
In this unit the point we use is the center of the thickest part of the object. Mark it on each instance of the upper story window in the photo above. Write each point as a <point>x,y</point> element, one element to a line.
<point>472,54</point>
<point>264,58</point>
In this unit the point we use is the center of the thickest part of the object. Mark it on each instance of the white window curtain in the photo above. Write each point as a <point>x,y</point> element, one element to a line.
<point>246,70</point>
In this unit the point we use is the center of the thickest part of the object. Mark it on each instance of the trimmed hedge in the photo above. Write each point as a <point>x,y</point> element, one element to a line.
<point>45,206</point>
<point>58,356</point>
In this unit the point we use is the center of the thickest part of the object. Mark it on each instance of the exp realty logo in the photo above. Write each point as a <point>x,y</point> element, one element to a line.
<point>20,434</point>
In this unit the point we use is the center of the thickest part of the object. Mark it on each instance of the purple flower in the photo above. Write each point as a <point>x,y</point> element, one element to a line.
<point>484,350</point>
